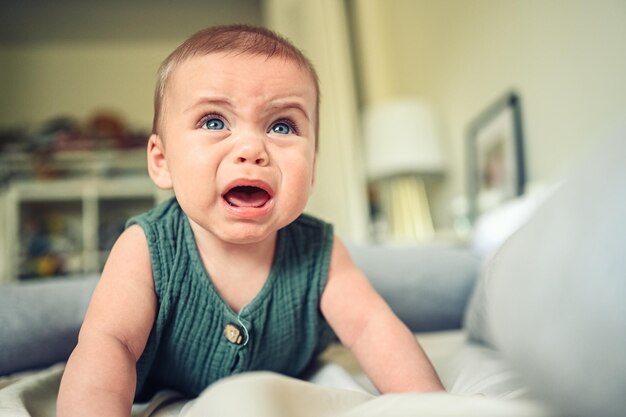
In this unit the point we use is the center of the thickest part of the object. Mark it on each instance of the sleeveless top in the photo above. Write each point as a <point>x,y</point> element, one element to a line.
<point>197,339</point>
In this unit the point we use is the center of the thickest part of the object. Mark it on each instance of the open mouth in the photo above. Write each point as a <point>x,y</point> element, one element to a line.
<point>247,196</point>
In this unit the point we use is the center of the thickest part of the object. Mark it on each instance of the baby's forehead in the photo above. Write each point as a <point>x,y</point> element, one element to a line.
<point>266,70</point>
<point>234,57</point>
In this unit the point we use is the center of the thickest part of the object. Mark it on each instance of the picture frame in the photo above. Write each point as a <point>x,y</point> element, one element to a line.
<point>495,151</point>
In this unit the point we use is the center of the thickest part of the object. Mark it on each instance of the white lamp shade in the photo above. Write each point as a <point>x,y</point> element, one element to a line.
<point>401,138</point>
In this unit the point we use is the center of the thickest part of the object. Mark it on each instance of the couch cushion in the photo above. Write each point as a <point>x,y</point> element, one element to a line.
<point>427,286</point>
<point>555,292</point>
<point>40,320</point>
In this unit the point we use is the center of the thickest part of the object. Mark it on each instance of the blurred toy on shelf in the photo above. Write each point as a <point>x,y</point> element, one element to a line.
<point>50,242</point>
<point>64,146</point>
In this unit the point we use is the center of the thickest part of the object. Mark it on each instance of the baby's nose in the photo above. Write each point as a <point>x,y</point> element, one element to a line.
<point>252,150</point>
<point>258,161</point>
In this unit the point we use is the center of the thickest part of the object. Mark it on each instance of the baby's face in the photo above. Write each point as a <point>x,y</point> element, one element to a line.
<point>238,136</point>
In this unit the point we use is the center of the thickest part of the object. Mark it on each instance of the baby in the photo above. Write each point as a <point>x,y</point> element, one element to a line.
<point>229,276</point>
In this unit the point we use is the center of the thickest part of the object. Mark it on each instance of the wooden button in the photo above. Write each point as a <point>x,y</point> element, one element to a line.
<point>233,333</point>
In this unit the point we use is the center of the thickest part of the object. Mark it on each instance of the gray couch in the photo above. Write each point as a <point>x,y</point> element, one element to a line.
<point>542,317</point>
<point>427,286</point>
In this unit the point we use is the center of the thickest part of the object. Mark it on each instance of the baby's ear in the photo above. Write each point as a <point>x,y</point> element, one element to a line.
<point>157,164</point>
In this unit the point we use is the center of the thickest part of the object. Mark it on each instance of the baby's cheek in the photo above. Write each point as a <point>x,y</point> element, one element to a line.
<point>305,191</point>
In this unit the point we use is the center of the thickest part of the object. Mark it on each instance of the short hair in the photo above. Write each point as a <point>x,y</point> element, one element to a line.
<point>242,39</point>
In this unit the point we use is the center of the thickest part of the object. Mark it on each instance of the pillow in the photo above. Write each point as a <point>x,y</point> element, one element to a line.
<point>555,292</point>
<point>40,320</point>
<point>475,318</point>
<point>495,226</point>
<point>491,230</point>
<point>427,286</point>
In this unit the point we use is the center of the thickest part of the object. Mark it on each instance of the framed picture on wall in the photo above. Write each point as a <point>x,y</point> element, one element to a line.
<point>495,153</point>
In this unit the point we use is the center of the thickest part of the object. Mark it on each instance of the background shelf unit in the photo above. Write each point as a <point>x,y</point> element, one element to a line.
<point>67,226</point>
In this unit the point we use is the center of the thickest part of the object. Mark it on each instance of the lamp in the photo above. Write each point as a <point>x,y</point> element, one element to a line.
<point>402,147</point>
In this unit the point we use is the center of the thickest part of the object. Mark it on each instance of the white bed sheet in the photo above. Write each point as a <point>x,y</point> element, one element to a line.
<point>478,384</point>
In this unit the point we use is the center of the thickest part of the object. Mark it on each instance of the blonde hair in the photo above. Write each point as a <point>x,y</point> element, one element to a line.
<point>242,39</point>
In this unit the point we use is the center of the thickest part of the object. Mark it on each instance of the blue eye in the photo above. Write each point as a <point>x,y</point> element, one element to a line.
<point>213,124</point>
<point>282,128</point>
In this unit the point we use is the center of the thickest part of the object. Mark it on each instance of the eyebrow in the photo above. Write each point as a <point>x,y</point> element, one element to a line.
<point>289,104</point>
<point>209,100</point>
<point>281,104</point>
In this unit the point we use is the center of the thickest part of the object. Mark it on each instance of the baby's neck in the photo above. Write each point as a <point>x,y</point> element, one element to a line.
<point>237,271</point>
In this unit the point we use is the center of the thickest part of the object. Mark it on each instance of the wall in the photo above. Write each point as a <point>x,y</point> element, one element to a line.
<point>42,81</point>
<point>566,58</point>
<point>75,57</point>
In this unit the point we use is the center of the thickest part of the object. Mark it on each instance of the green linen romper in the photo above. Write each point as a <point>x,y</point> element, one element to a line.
<point>197,338</point>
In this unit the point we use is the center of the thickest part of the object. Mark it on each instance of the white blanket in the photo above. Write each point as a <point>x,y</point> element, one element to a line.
<point>269,395</point>
<point>478,381</point>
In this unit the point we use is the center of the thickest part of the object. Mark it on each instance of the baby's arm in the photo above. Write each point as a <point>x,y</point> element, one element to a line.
<point>386,349</point>
<point>100,376</point>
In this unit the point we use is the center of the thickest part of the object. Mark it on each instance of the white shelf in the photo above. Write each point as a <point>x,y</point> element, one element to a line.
<point>79,188</point>
<point>92,211</point>
<point>95,163</point>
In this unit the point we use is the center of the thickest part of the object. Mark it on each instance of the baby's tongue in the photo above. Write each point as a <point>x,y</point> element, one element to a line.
<point>246,197</point>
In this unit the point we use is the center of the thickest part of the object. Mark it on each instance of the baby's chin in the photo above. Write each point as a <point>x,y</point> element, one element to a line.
<point>251,232</point>
<point>247,234</point>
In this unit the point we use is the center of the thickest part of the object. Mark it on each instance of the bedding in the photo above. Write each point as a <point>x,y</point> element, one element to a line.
<point>337,388</point>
